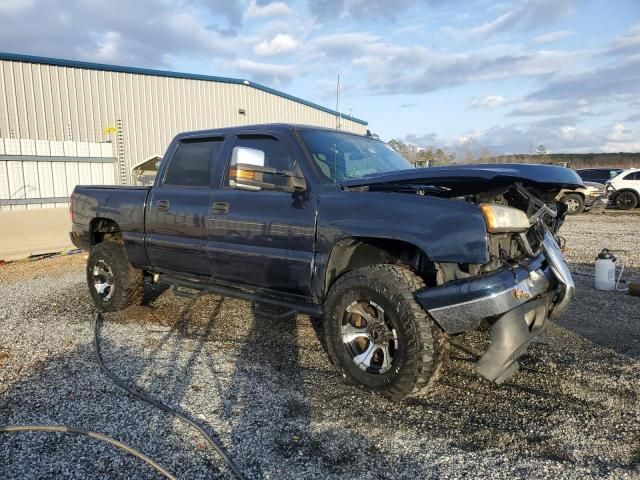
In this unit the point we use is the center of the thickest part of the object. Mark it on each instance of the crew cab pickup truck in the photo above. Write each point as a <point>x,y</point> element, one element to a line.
<point>394,259</point>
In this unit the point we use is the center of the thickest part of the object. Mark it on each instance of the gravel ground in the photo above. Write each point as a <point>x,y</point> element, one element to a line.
<point>267,390</point>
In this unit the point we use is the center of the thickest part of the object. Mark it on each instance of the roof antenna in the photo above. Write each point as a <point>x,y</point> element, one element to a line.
<point>339,116</point>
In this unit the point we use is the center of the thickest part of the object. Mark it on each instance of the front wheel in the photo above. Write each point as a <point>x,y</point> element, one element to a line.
<point>626,200</point>
<point>379,336</point>
<point>574,203</point>
<point>113,283</point>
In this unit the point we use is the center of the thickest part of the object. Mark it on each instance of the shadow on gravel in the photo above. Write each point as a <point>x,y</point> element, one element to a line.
<point>269,403</point>
<point>71,390</point>
<point>608,319</point>
<point>267,388</point>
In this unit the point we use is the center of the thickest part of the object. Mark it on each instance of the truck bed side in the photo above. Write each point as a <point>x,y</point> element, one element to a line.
<point>123,206</point>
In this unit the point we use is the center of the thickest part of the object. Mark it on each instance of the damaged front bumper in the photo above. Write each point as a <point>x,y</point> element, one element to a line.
<point>516,301</point>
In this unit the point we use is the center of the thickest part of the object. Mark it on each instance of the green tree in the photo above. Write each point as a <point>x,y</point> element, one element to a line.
<point>399,146</point>
<point>424,158</point>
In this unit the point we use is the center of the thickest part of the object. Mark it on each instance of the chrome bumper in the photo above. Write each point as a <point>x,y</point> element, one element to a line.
<point>543,289</point>
<point>561,271</point>
<point>512,332</point>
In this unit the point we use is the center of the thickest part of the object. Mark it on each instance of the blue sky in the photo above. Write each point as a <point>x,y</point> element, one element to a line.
<point>497,74</point>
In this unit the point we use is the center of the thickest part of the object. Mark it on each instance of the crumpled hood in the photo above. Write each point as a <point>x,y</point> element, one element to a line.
<point>466,179</point>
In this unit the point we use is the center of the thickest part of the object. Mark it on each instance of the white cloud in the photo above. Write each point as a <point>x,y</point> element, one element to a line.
<point>553,36</point>
<point>488,102</point>
<point>542,107</point>
<point>272,74</point>
<point>268,10</point>
<point>558,134</point>
<point>281,43</point>
<point>416,69</point>
<point>628,43</point>
<point>529,14</point>
<point>345,44</point>
<point>9,6</point>
<point>107,47</point>
<point>99,31</point>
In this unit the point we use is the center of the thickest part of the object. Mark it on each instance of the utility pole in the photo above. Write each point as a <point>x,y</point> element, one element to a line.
<point>339,117</point>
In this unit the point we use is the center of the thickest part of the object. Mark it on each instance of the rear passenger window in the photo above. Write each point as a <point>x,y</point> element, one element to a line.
<point>192,162</point>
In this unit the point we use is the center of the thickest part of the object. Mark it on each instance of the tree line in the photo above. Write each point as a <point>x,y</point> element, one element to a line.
<point>422,157</point>
<point>430,157</point>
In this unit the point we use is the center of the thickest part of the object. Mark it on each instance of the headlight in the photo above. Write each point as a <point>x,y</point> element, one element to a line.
<point>504,219</point>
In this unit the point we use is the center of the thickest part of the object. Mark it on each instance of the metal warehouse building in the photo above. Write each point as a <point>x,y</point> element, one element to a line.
<point>65,122</point>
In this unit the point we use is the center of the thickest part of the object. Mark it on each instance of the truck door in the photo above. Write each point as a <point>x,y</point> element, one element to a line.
<point>263,238</point>
<point>178,207</point>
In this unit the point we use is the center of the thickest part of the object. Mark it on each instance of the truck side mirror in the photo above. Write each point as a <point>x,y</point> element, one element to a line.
<point>247,172</point>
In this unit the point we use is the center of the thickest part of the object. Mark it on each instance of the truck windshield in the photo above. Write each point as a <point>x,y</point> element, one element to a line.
<point>341,156</point>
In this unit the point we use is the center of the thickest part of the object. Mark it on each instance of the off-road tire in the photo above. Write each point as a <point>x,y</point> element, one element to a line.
<point>423,348</point>
<point>626,200</point>
<point>576,200</point>
<point>128,281</point>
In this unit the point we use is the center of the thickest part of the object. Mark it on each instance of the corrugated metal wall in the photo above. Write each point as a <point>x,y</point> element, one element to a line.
<point>42,173</point>
<point>50,102</point>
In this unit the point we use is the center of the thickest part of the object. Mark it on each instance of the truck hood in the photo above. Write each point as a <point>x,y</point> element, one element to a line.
<point>466,179</point>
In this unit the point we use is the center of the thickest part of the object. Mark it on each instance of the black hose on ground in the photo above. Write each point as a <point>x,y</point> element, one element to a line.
<point>140,396</point>
<point>98,436</point>
<point>156,403</point>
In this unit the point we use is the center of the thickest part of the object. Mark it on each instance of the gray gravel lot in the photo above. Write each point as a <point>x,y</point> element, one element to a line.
<point>268,392</point>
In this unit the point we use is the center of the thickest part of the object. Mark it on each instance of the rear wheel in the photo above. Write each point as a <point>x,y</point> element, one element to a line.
<point>626,200</point>
<point>113,283</point>
<point>379,336</point>
<point>574,203</point>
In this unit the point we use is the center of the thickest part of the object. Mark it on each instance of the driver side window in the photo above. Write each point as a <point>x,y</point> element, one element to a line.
<point>264,152</point>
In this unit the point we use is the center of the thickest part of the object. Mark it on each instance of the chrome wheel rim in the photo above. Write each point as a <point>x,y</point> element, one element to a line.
<point>103,280</point>
<point>572,205</point>
<point>369,337</point>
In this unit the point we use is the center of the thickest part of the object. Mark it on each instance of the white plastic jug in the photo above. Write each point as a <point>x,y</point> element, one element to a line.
<point>605,270</point>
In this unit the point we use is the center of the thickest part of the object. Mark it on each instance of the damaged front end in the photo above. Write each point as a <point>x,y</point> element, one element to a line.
<point>524,280</point>
<point>514,301</point>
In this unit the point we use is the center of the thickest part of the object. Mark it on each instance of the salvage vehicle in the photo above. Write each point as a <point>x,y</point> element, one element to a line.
<point>593,196</point>
<point>624,189</point>
<point>393,259</point>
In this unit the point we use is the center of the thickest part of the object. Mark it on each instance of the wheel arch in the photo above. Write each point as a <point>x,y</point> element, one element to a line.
<point>354,252</point>
<point>573,192</point>
<point>102,229</point>
<point>630,190</point>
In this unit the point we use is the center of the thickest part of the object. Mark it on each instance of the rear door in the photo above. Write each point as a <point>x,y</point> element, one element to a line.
<point>178,207</point>
<point>262,238</point>
<point>631,180</point>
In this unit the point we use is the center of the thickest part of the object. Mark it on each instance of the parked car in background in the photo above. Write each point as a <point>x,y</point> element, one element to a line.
<point>591,196</point>
<point>624,189</point>
<point>598,175</point>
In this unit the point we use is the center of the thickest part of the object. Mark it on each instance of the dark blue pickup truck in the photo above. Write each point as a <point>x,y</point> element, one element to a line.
<point>394,259</point>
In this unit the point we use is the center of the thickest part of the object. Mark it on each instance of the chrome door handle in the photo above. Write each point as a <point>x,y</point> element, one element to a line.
<point>162,205</point>
<point>220,208</point>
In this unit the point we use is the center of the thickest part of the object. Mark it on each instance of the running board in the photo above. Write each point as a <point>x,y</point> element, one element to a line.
<point>283,315</point>
<point>186,292</point>
<point>304,308</point>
